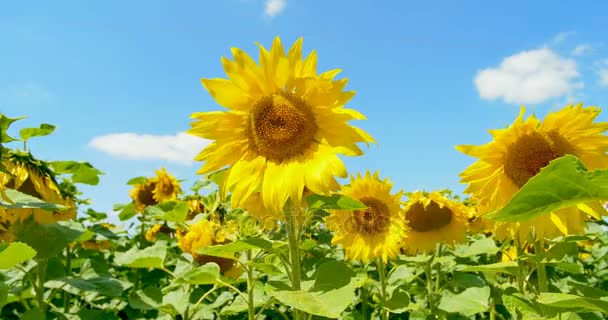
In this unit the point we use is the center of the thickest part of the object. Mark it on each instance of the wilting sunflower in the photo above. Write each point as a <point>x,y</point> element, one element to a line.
<point>374,232</point>
<point>433,218</point>
<point>208,233</point>
<point>519,151</point>
<point>284,128</point>
<point>166,187</point>
<point>34,178</point>
<point>143,195</point>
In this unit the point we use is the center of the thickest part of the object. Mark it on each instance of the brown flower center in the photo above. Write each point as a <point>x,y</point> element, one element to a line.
<point>432,217</point>
<point>145,195</point>
<point>530,153</point>
<point>375,219</point>
<point>281,126</point>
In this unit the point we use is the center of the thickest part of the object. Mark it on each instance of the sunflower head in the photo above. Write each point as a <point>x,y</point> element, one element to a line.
<point>284,128</point>
<point>143,195</point>
<point>373,232</point>
<point>206,233</point>
<point>96,245</point>
<point>153,231</point>
<point>433,218</point>
<point>519,151</point>
<point>167,187</point>
<point>195,207</point>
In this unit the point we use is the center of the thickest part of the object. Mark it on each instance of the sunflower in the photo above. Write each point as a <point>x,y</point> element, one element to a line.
<point>374,232</point>
<point>34,178</point>
<point>96,245</point>
<point>208,233</point>
<point>195,207</point>
<point>166,187</point>
<point>143,195</point>
<point>519,151</point>
<point>433,218</point>
<point>153,231</point>
<point>284,128</point>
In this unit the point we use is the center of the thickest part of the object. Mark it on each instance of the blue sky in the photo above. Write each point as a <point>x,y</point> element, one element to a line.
<point>428,74</point>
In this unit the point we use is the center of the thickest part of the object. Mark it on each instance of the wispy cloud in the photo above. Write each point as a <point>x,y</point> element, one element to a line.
<point>561,37</point>
<point>582,49</point>
<point>180,148</point>
<point>26,93</point>
<point>529,77</point>
<point>603,73</point>
<point>274,7</point>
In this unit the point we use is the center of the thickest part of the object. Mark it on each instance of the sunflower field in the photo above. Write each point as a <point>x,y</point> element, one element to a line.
<point>277,228</point>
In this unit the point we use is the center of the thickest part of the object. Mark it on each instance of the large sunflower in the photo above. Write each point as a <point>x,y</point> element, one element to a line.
<point>433,219</point>
<point>166,186</point>
<point>34,178</point>
<point>519,151</point>
<point>284,128</point>
<point>374,232</point>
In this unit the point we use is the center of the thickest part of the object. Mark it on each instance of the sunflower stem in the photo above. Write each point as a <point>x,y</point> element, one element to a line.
<point>520,268</point>
<point>68,272</point>
<point>250,284</point>
<point>429,285</point>
<point>294,254</point>
<point>42,268</point>
<point>383,297</point>
<point>540,266</point>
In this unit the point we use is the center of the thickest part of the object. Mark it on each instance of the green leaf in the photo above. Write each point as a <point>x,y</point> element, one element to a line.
<point>506,267</point>
<point>21,201</point>
<point>205,274</point>
<point>82,172</point>
<point>469,302</point>
<point>332,291</point>
<point>127,211</point>
<point>217,177</point>
<point>399,301</point>
<point>202,183</point>
<point>137,180</point>
<point>3,293</point>
<point>103,285</point>
<point>565,182</point>
<point>15,254</point>
<point>150,257</point>
<point>47,239</point>
<point>6,122</point>
<point>228,250</point>
<point>335,201</point>
<point>240,304</point>
<point>175,211</point>
<point>44,130</point>
<point>149,298</point>
<point>519,303</point>
<point>33,314</point>
<point>482,246</point>
<point>564,301</point>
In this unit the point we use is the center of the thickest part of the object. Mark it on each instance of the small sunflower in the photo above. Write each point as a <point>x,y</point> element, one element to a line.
<point>96,245</point>
<point>519,151</point>
<point>195,207</point>
<point>284,128</point>
<point>143,195</point>
<point>166,188</point>
<point>153,231</point>
<point>374,232</point>
<point>433,218</point>
<point>208,233</point>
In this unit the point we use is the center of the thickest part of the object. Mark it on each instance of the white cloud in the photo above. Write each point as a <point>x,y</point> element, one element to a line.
<point>562,36</point>
<point>529,77</point>
<point>582,49</point>
<point>180,148</point>
<point>274,7</point>
<point>603,73</point>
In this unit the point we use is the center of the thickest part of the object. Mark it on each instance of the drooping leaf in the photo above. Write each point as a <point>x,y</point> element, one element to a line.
<point>469,302</point>
<point>565,182</point>
<point>47,239</point>
<point>25,201</point>
<point>103,285</point>
<point>127,211</point>
<point>44,130</point>
<point>217,176</point>
<point>150,257</point>
<point>335,201</point>
<point>15,254</point>
<point>505,267</point>
<point>5,123</point>
<point>564,301</point>
<point>175,211</point>
<point>228,250</point>
<point>81,172</point>
<point>137,180</point>
<point>482,246</point>
<point>205,274</point>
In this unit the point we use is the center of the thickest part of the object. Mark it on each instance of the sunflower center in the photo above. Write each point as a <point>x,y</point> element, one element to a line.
<point>146,195</point>
<point>374,219</point>
<point>530,153</point>
<point>281,126</point>
<point>166,186</point>
<point>432,217</point>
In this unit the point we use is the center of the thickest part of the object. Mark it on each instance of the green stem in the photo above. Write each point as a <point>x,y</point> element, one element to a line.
<point>294,254</point>
<point>520,269</point>
<point>68,272</point>
<point>250,285</point>
<point>540,266</point>
<point>429,285</point>
<point>438,275</point>
<point>382,275</point>
<point>364,303</point>
<point>42,266</point>
<point>201,299</point>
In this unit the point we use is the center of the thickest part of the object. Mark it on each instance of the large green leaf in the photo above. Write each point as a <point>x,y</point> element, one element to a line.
<point>6,122</point>
<point>228,250</point>
<point>103,285</point>
<point>335,201</point>
<point>205,274</point>
<point>175,211</point>
<point>44,130</point>
<point>127,211</point>
<point>21,200</point>
<point>47,239</point>
<point>150,257</point>
<point>15,254</point>
<point>506,267</point>
<point>469,302</point>
<point>565,182</point>
<point>82,172</point>
<point>482,246</point>
<point>564,301</point>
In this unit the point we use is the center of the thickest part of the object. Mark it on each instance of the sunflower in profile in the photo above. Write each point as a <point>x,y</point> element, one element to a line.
<point>166,187</point>
<point>143,195</point>
<point>34,178</point>
<point>519,151</point>
<point>284,128</point>
<point>206,233</point>
<point>433,219</point>
<point>374,232</point>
